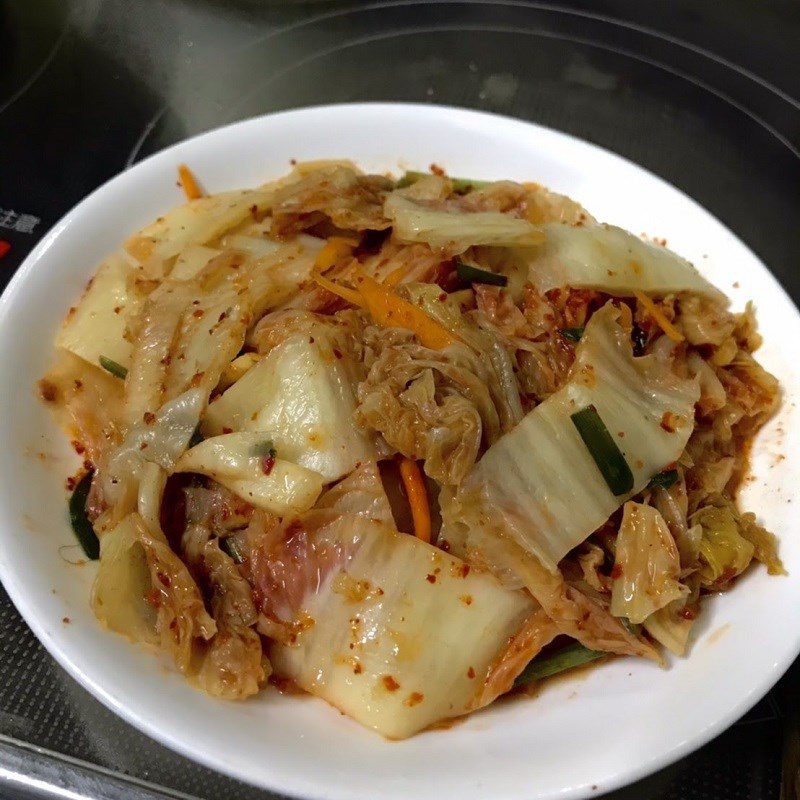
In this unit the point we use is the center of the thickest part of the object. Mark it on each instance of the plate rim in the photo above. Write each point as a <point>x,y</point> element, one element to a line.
<point>300,787</point>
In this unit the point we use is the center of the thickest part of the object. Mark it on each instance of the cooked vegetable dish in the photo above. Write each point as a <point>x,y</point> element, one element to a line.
<point>406,445</point>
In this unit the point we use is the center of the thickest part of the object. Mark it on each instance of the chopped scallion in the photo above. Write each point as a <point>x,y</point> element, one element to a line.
<point>113,367</point>
<point>84,531</point>
<point>470,274</point>
<point>263,449</point>
<point>569,657</point>
<point>603,449</point>
<point>572,334</point>
<point>663,480</point>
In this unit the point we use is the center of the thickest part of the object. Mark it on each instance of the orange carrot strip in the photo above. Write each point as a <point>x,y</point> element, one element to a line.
<point>390,311</point>
<point>334,249</point>
<point>189,183</point>
<point>658,315</point>
<point>350,295</point>
<point>394,277</point>
<point>417,498</point>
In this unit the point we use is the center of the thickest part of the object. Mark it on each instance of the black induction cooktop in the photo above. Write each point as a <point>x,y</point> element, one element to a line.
<point>704,94</point>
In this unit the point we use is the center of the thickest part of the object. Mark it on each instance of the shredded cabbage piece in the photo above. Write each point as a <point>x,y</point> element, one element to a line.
<point>646,566</point>
<point>301,397</point>
<point>455,231</point>
<point>426,629</point>
<point>98,324</point>
<point>244,464</point>
<point>540,480</point>
<point>612,260</point>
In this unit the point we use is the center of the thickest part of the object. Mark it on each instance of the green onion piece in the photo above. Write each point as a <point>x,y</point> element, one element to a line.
<point>663,480</point>
<point>265,448</point>
<point>603,449</point>
<point>113,367</point>
<point>569,657</point>
<point>84,531</point>
<point>470,274</point>
<point>572,334</point>
<point>197,437</point>
<point>460,185</point>
<point>229,546</point>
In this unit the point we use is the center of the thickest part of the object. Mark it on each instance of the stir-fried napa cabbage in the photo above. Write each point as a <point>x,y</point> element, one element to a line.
<point>197,222</point>
<point>729,540</point>
<point>97,326</point>
<point>145,591</point>
<point>612,260</point>
<point>248,464</point>
<point>646,565</point>
<point>159,439</point>
<point>542,481</point>
<point>395,633</point>
<point>405,445</point>
<point>300,396</point>
<point>455,231</point>
<point>88,403</point>
<point>473,533</point>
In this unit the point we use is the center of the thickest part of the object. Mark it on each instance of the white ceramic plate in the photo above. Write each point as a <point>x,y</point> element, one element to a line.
<point>578,737</point>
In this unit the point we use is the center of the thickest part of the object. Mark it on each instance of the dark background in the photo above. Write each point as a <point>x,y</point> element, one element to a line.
<point>701,93</point>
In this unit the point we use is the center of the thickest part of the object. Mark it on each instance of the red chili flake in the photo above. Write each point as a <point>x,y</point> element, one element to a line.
<point>616,571</point>
<point>437,170</point>
<point>390,683</point>
<point>267,464</point>
<point>727,574</point>
<point>117,309</point>
<point>164,579</point>
<point>337,353</point>
<point>198,312</point>
<point>687,613</point>
<point>311,340</point>
<point>153,597</point>
<point>254,210</point>
<point>464,570</point>
<point>414,699</point>
<point>149,417</point>
<point>470,673</point>
<point>71,483</point>
<point>4,247</point>
<point>78,385</point>
<point>358,669</point>
<point>47,390</point>
<point>444,545</point>
<point>78,447</point>
<point>442,297</point>
<point>87,465</point>
<point>66,620</point>
<point>466,599</point>
<point>226,429</point>
<point>431,579</point>
<point>293,161</point>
